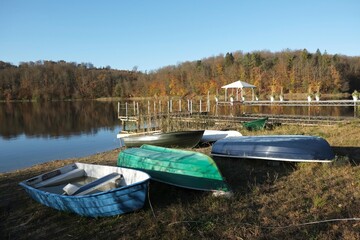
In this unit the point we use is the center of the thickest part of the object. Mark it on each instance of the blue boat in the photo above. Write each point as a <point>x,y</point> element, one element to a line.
<point>90,190</point>
<point>290,148</point>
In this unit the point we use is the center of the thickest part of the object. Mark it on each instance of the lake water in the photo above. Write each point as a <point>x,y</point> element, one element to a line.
<point>33,133</point>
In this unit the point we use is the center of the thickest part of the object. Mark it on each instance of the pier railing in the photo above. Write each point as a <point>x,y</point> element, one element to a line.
<point>297,103</point>
<point>159,114</point>
<point>131,110</point>
<point>208,111</point>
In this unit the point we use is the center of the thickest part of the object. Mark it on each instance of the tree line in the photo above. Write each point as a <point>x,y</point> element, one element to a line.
<point>288,71</point>
<point>48,80</point>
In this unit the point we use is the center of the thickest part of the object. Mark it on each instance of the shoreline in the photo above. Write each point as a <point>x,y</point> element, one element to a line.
<point>294,96</point>
<point>346,142</point>
<point>58,162</point>
<point>268,202</point>
<point>57,159</point>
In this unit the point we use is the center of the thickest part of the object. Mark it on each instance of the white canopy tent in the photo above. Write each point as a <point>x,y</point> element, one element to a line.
<point>239,85</point>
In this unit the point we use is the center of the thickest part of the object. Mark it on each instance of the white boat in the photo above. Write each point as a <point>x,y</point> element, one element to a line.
<point>215,135</point>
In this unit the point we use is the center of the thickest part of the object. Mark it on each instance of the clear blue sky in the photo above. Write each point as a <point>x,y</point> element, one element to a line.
<point>156,33</point>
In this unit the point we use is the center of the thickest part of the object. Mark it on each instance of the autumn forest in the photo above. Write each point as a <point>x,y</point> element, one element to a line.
<point>288,71</point>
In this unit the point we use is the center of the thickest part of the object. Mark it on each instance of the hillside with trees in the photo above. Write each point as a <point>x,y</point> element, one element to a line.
<point>288,71</point>
<point>48,80</point>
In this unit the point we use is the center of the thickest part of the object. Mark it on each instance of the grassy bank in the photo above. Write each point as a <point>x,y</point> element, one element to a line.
<point>269,202</point>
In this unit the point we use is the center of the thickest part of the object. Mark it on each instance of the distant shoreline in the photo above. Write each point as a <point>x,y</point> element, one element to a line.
<point>293,96</point>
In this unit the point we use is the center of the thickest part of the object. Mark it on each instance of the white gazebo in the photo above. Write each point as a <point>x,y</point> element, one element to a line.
<point>239,85</point>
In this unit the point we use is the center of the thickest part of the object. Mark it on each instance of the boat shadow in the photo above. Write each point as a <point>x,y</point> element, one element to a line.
<point>162,194</point>
<point>351,153</point>
<point>244,174</point>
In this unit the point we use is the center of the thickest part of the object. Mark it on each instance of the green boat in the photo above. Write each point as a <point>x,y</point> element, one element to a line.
<point>257,124</point>
<point>181,168</point>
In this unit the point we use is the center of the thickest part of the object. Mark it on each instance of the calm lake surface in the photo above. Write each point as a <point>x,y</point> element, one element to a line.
<point>33,133</point>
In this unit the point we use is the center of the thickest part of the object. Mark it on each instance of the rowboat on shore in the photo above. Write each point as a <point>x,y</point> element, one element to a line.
<point>257,124</point>
<point>90,190</point>
<point>291,148</point>
<point>181,139</point>
<point>181,168</point>
<point>214,135</point>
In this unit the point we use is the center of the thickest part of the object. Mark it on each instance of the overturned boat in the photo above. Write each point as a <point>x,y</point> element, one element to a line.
<point>291,148</point>
<point>90,190</point>
<point>210,136</point>
<point>181,168</point>
<point>257,124</point>
<point>181,139</point>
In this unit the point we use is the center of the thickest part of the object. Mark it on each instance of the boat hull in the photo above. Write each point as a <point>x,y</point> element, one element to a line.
<point>183,139</point>
<point>176,167</point>
<point>115,201</point>
<point>292,148</point>
<point>214,135</point>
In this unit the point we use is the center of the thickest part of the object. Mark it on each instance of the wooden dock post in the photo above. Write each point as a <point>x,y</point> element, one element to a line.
<point>191,108</point>
<point>355,109</point>
<point>126,109</point>
<point>208,102</point>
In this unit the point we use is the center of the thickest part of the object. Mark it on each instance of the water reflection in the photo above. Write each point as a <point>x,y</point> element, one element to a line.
<point>32,133</point>
<point>54,119</point>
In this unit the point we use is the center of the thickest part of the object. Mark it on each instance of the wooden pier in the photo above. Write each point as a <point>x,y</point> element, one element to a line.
<point>207,112</point>
<point>296,103</point>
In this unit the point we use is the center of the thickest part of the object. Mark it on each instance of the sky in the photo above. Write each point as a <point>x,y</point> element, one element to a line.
<point>148,35</point>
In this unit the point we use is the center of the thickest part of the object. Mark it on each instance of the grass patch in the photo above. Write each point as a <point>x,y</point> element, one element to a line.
<point>269,201</point>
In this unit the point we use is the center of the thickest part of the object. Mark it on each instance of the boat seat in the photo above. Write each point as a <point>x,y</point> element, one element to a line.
<point>60,178</point>
<point>73,190</point>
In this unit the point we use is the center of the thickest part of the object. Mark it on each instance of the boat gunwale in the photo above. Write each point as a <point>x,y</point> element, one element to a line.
<point>186,186</point>
<point>271,158</point>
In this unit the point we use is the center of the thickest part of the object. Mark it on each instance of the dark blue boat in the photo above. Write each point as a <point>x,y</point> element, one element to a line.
<point>292,148</point>
<point>99,191</point>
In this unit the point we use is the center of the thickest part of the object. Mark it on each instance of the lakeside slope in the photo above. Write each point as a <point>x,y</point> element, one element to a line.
<point>270,201</point>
